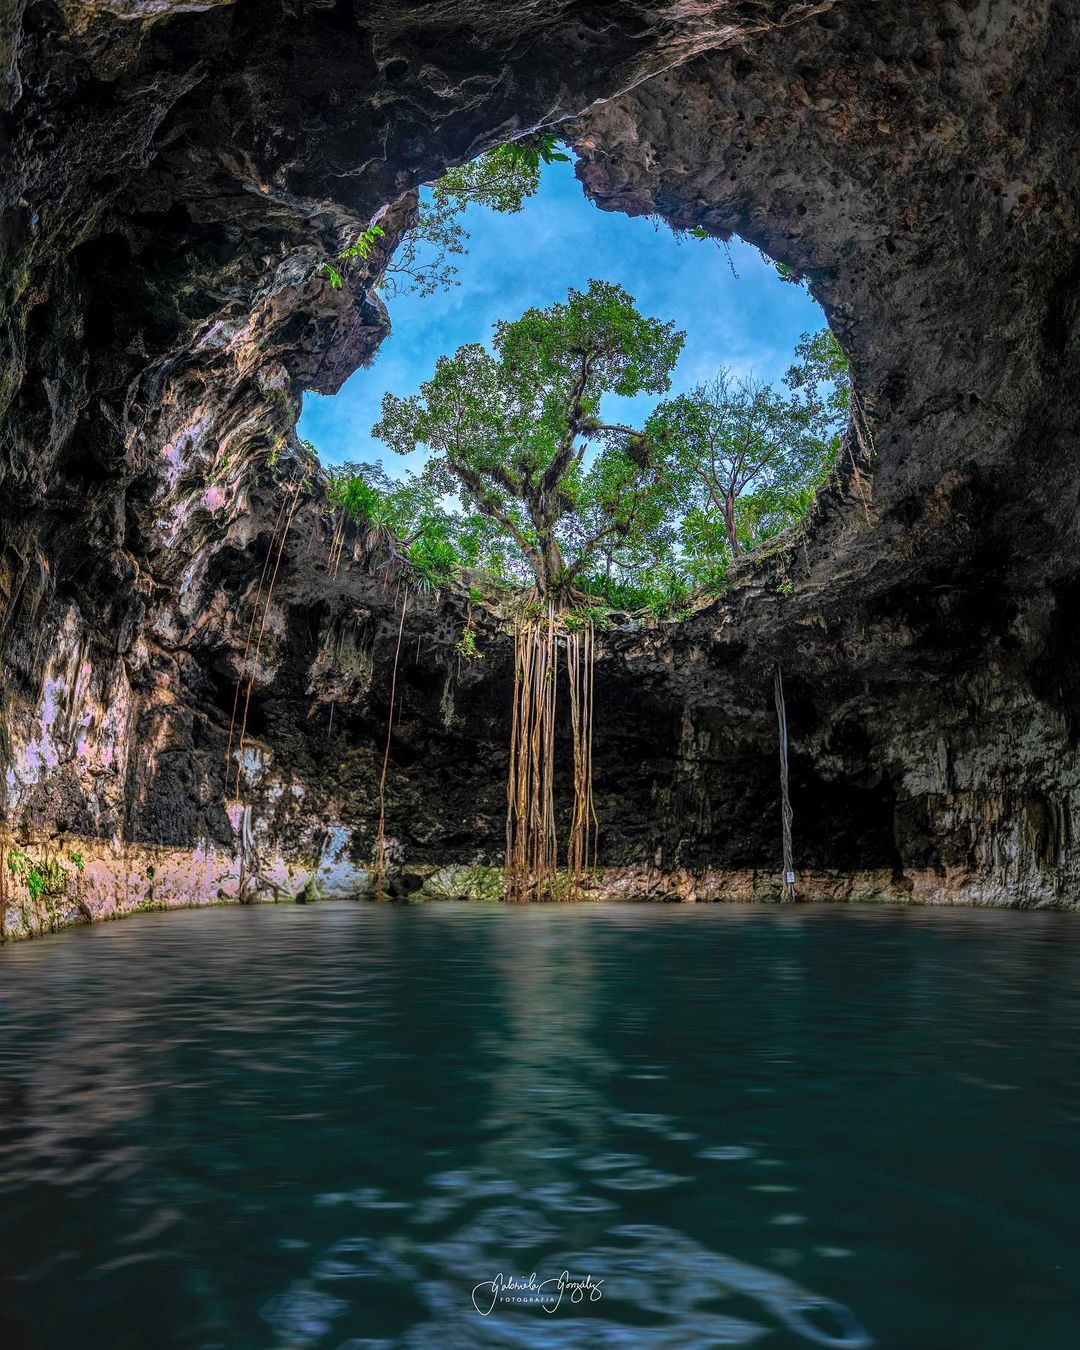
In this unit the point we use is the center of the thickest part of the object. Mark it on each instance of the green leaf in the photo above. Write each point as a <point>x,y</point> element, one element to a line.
<point>364,243</point>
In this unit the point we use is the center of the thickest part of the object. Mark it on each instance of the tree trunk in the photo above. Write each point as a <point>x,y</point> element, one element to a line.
<point>552,559</point>
<point>729,522</point>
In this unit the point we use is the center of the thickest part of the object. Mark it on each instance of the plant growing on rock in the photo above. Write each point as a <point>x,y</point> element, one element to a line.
<point>501,180</point>
<point>421,263</point>
<point>465,646</point>
<point>507,431</point>
<point>406,517</point>
<point>45,879</point>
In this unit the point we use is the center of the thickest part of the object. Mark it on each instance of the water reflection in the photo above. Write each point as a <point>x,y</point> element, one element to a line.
<point>288,1128</point>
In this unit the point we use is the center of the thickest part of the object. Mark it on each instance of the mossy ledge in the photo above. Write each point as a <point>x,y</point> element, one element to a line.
<point>117,883</point>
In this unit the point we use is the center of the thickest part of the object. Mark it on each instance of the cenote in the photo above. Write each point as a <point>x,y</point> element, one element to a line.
<point>539,677</point>
<point>283,1127</point>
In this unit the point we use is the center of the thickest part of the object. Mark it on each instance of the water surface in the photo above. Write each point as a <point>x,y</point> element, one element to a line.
<point>253,1129</point>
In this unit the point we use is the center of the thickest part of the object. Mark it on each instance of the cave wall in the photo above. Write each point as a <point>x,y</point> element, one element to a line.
<point>174,174</point>
<point>910,164</point>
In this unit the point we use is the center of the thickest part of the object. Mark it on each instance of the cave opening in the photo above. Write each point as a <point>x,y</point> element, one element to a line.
<point>600,448</point>
<point>737,424</point>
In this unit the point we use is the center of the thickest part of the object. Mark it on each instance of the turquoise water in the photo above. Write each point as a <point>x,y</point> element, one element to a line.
<point>336,1126</point>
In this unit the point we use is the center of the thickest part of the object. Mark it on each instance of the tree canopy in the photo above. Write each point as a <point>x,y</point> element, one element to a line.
<point>527,484</point>
<point>744,459</point>
<point>508,430</point>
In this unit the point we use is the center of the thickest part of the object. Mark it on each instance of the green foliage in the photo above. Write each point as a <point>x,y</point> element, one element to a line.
<point>364,504</point>
<point>466,644</point>
<point>663,589</point>
<point>528,153</point>
<point>508,430</point>
<point>363,244</point>
<point>408,514</point>
<point>361,248</point>
<point>25,871</point>
<point>46,878</point>
<point>432,553</point>
<point>585,615</point>
<point>500,180</point>
<point>820,378</point>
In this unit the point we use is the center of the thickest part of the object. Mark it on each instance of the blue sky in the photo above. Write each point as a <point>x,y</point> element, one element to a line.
<point>750,323</point>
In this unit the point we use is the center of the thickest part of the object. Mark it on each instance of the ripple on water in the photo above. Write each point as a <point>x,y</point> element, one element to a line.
<point>410,1151</point>
<point>641,1179</point>
<point>643,1120</point>
<point>611,1162</point>
<point>302,1316</point>
<point>567,1198</point>
<point>361,1258</point>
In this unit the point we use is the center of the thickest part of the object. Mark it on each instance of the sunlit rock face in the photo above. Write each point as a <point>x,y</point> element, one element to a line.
<point>173,177</point>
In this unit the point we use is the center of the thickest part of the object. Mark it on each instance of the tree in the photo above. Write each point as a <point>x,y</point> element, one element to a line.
<point>821,378</point>
<point>509,430</point>
<point>724,437</point>
<point>745,459</point>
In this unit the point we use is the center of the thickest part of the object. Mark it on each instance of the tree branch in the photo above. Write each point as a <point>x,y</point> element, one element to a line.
<point>576,567</point>
<point>562,459</point>
<point>491,508</point>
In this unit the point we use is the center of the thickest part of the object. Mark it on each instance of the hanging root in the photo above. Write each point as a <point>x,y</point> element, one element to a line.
<point>337,543</point>
<point>861,428</point>
<point>379,870</point>
<point>531,848</point>
<point>251,630</point>
<point>531,851</point>
<point>787,891</point>
<point>262,629</point>
<point>584,827</point>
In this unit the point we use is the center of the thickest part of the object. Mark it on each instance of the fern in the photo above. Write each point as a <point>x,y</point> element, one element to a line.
<point>365,242</point>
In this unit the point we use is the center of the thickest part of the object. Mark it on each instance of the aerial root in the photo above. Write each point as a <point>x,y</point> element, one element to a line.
<point>531,847</point>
